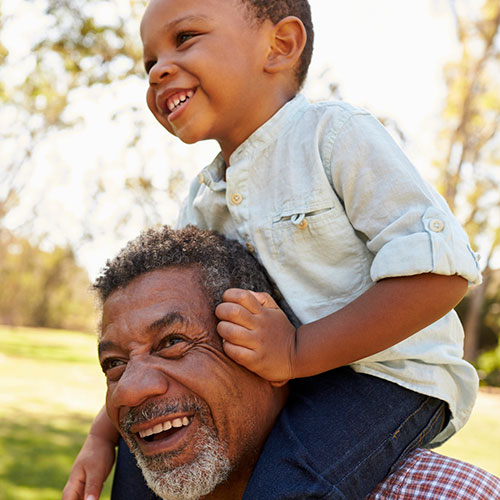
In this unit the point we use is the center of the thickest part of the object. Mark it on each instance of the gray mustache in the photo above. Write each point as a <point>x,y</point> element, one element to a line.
<point>157,409</point>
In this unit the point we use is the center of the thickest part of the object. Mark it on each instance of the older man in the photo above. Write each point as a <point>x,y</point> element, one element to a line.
<point>195,420</point>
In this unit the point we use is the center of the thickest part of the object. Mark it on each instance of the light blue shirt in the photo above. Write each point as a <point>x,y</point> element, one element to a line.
<point>330,204</point>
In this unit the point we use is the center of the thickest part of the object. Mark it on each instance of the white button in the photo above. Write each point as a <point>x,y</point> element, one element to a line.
<point>201,178</point>
<point>236,198</point>
<point>436,225</point>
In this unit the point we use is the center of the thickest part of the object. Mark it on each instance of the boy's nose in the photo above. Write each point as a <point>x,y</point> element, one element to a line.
<point>161,70</point>
<point>138,382</point>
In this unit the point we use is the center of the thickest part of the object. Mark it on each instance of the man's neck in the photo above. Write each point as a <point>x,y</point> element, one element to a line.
<point>232,489</point>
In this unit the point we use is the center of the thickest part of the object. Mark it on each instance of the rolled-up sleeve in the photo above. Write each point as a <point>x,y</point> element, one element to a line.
<point>407,225</point>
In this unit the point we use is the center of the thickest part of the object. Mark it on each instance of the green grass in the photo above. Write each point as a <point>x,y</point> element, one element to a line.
<point>479,441</point>
<point>52,387</point>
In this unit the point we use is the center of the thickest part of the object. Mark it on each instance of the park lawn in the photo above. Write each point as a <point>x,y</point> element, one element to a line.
<point>52,387</point>
<point>479,441</point>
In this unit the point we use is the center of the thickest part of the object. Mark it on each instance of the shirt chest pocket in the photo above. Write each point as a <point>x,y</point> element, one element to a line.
<point>319,250</point>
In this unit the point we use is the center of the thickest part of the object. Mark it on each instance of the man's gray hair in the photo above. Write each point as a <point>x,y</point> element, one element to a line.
<point>223,263</point>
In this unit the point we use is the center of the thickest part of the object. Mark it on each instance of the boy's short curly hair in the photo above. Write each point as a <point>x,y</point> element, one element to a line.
<point>222,263</point>
<point>275,11</point>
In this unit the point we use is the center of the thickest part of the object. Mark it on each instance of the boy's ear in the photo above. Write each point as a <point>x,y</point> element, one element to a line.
<point>288,40</point>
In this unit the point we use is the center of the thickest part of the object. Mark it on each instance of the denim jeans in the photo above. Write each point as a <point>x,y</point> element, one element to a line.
<point>338,436</point>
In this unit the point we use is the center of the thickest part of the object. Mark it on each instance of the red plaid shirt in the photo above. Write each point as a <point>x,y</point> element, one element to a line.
<point>426,475</point>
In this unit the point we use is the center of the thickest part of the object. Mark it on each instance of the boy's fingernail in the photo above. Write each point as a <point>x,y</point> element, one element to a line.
<point>90,497</point>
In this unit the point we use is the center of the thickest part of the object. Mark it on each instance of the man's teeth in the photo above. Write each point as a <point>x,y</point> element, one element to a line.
<point>165,426</point>
<point>178,99</point>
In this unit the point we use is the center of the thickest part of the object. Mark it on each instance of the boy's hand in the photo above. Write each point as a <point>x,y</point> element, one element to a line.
<point>91,468</point>
<point>257,334</point>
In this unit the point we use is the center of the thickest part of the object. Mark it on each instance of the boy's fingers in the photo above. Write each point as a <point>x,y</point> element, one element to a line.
<point>245,298</point>
<point>73,490</point>
<point>239,354</point>
<point>265,300</point>
<point>236,335</point>
<point>92,491</point>
<point>235,313</point>
<point>93,486</point>
<point>280,383</point>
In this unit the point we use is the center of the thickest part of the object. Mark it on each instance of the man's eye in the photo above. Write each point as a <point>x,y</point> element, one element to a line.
<point>172,340</point>
<point>173,346</point>
<point>109,364</point>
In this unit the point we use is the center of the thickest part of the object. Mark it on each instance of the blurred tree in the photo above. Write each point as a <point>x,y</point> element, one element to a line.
<point>82,43</point>
<point>43,288</point>
<point>470,142</point>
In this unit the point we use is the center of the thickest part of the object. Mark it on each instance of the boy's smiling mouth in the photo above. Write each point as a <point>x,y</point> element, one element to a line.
<point>177,100</point>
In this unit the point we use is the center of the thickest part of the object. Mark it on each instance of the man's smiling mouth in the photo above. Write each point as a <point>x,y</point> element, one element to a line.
<point>164,429</point>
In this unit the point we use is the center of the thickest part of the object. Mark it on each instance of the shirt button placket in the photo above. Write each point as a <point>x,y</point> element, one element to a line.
<point>436,225</point>
<point>236,199</point>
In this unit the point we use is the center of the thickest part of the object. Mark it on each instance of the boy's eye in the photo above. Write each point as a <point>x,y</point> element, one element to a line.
<point>183,37</point>
<point>111,363</point>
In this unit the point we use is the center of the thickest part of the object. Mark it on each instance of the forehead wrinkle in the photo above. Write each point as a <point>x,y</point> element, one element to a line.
<point>167,320</point>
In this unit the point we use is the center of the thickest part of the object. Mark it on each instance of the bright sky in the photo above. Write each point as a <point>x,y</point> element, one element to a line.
<point>387,56</point>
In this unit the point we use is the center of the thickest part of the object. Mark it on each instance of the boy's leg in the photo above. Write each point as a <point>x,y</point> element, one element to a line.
<point>339,435</point>
<point>128,482</point>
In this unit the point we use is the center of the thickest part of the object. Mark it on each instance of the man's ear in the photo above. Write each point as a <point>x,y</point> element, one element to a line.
<point>288,40</point>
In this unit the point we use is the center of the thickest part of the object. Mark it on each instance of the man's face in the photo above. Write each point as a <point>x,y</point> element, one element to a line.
<point>205,63</point>
<point>188,412</point>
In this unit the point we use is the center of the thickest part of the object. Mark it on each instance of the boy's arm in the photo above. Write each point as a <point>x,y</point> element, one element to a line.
<point>389,312</point>
<point>258,335</point>
<point>94,462</point>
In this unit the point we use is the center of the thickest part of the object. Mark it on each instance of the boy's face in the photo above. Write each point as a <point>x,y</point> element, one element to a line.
<point>205,60</point>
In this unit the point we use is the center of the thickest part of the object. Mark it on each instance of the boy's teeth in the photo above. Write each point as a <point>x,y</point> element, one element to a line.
<point>173,102</point>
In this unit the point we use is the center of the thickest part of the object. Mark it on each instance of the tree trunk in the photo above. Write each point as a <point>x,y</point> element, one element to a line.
<point>473,318</point>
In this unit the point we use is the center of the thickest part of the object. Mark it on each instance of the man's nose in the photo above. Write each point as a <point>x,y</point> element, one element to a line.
<point>163,68</point>
<point>138,382</point>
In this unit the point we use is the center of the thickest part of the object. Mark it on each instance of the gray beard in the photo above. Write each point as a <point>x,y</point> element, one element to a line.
<point>189,481</point>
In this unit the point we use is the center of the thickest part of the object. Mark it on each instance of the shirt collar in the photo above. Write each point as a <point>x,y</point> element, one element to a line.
<point>270,130</point>
<point>213,174</point>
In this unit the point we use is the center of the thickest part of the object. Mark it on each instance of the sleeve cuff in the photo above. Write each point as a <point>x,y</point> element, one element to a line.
<point>441,248</point>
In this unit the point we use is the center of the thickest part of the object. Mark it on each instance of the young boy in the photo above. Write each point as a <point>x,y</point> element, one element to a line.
<point>365,253</point>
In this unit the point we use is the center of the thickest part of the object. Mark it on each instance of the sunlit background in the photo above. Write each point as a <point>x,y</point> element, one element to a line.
<point>387,56</point>
<point>84,166</point>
